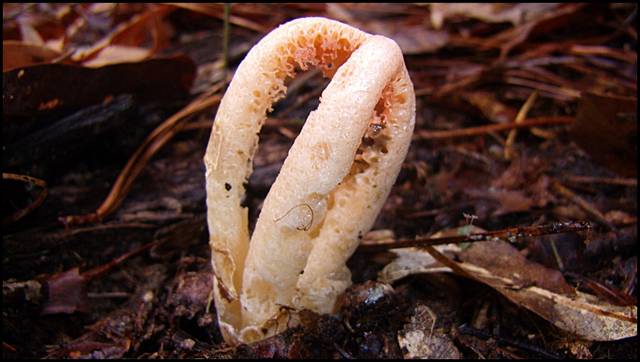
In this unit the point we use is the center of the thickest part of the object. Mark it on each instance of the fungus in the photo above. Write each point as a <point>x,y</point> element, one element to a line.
<point>331,187</point>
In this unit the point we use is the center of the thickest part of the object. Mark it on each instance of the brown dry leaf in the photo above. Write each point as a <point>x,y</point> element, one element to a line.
<point>29,33</point>
<point>118,54</point>
<point>17,54</point>
<point>619,217</point>
<point>505,261</point>
<point>418,339</point>
<point>530,285</point>
<point>546,23</point>
<point>36,91</point>
<point>33,23</point>
<point>412,39</point>
<point>509,201</point>
<point>606,127</point>
<point>131,33</point>
<point>216,11</point>
<point>414,260</point>
<point>491,13</point>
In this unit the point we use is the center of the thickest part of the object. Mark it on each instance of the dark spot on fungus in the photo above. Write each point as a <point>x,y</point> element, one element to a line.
<point>227,186</point>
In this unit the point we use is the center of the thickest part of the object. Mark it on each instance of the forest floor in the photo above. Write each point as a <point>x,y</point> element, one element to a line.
<point>524,157</point>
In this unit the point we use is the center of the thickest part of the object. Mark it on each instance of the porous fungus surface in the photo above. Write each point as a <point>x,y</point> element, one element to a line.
<point>331,187</point>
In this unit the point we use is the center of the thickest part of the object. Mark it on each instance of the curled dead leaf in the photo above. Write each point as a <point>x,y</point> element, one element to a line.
<point>16,54</point>
<point>530,285</point>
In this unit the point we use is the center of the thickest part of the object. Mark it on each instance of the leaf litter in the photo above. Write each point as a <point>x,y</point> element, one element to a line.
<point>558,288</point>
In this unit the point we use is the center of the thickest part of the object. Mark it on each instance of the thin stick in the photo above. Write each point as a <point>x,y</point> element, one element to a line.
<point>464,329</point>
<point>102,269</point>
<point>482,130</point>
<point>32,206</point>
<point>522,113</point>
<point>509,234</point>
<point>158,138</point>
<point>633,182</point>
<point>560,93</point>
<point>625,56</point>
<point>214,10</point>
<point>225,37</point>
<point>582,203</point>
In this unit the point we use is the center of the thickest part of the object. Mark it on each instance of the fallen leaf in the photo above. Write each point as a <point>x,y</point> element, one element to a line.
<point>418,339</point>
<point>414,261</point>
<point>217,11</point>
<point>491,13</point>
<point>524,283</point>
<point>29,32</point>
<point>606,128</point>
<point>583,315</point>
<point>546,23</point>
<point>118,54</point>
<point>412,39</point>
<point>36,91</point>
<point>131,33</point>
<point>505,261</point>
<point>17,54</point>
<point>509,201</point>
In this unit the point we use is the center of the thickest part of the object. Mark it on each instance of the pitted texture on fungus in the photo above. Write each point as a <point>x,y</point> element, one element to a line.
<point>331,187</point>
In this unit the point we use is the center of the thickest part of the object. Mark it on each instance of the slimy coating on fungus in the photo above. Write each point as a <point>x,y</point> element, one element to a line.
<point>331,187</point>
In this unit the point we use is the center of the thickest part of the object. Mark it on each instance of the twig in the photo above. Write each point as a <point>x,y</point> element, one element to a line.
<point>556,255</point>
<point>158,138</point>
<point>522,113</point>
<point>7,347</point>
<point>447,262</point>
<point>509,234</point>
<point>481,130</point>
<point>465,329</point>
<point>120,32</point>
<point>613,295</point>
<point>33,205</point>
<point>344,354</point>
<point>225,38</point>
<point>558,92</point>
<point>625,56</point>
<point>424,213</point>
<point>109,295</point>
<point>213,10</point>
<point>102,269</point>
<point>582,203</point>
<point>603,180</point>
